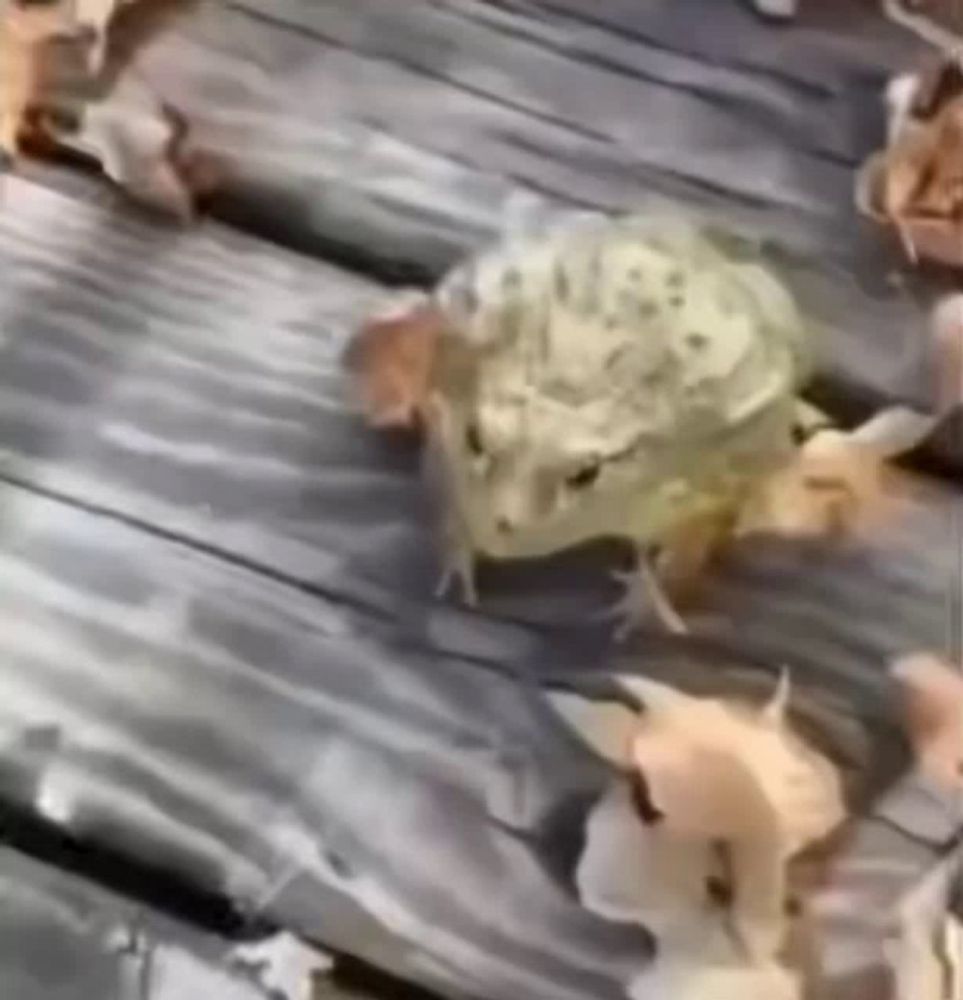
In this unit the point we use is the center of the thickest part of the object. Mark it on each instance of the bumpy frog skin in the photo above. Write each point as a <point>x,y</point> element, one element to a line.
<point>618,380</point>
<point>625,378</point>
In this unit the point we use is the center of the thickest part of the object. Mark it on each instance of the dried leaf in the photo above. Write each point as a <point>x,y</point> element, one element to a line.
<point>834,485</point>
<point>947,330</point>
<point>41,46</point>
<point>916,185</point>
<point>719,769</point>
<point>142,145</point>
<point>715,772</point>
<point>632,872</point>
<point>392,358</point>
<point>24,34</point>
<point>53,68</point>
<point>684,979</point>
<point>933,700</point>
<point>937,22</point>
<point>606,727</point>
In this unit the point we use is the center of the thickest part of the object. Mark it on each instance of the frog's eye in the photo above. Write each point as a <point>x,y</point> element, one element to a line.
<point>584,477</point>
<point>473,440</point>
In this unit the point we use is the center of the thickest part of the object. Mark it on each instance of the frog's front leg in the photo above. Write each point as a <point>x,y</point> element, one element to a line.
<point>459,564</point>
<point>458,554</point>
<point>663,581</point>
<point>643,590</point>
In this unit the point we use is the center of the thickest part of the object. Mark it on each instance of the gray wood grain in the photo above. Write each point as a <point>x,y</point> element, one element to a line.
<point>192,384</point>
<point>216,593</point>
<point>398,137</point>
<point>64,939</point>
<point>386,797</point>
<point>216,586</point>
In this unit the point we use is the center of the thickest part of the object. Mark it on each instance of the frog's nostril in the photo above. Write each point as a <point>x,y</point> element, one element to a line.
<point>503,524</point>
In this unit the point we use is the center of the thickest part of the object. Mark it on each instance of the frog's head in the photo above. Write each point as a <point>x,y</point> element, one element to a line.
<point>534,459</point>
<point>536,464</point>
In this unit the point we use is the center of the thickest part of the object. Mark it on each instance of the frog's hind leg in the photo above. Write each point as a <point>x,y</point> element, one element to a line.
<point>686,552</point>
<point>662,581</point>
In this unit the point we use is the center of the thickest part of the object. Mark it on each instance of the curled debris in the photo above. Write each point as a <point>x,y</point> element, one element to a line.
<point>49,53</point>
<point>66,74</point>
<point>834,486</point>
<point>392,359</point>
<point>915,185</point>
<point>947,331</point>
<point>731,792</point>
<point>938,22</point>
<point>933,700</point>
<point>685,980</point>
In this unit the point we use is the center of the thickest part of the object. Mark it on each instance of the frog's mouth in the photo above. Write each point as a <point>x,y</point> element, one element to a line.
<point>527,542</point>
<point>532,538</point>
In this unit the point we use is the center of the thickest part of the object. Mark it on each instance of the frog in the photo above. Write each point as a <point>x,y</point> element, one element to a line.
<point>637,376</point>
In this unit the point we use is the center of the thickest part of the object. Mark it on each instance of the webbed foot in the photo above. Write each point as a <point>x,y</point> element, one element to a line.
<point>458,570</point>
<point>643,591</point>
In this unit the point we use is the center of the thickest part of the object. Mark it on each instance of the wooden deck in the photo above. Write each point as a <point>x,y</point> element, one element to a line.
<point>216,586</point>
<point>395,137</point>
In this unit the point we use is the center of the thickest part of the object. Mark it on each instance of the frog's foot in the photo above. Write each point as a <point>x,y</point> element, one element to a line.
<point>643,591</point>
<point>459,570</point>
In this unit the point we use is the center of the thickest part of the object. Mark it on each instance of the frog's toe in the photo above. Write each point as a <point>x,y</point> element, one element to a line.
<point>458,576</point>
<point>628,612</point>
<point>642,593</point>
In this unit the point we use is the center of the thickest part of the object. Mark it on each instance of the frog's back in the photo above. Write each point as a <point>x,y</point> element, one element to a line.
<point>646,324</point>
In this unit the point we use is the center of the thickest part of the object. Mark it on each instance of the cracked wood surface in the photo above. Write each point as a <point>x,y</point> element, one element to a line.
<point>398,137</point>
<point>244,678</point>
<point>218,584</point>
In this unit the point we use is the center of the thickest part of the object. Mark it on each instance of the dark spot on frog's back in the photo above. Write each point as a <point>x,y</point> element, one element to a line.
<point>727,307</point>
<point>591,298</point>
<point>561,283</point>
<point>466,293</point>
<point>696,340</point>
<point>648,309</point>
<point>675,279</point>
<point>511,281</point>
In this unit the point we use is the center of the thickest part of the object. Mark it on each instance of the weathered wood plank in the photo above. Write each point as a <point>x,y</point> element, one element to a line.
<point>293,755</point>
<point>398,137</point>
<point>64,939</point>
<point>192,384</point>
<point>216,594</point>
<point>390,789</point>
